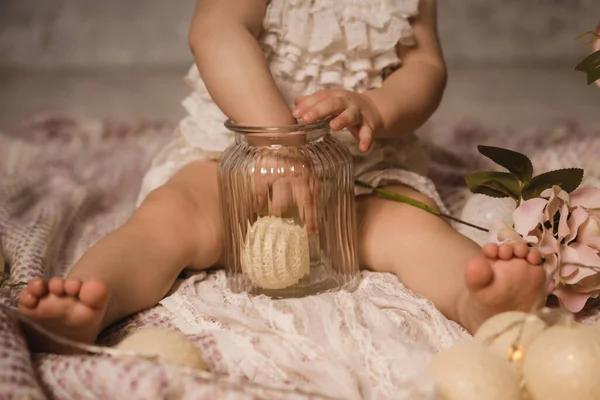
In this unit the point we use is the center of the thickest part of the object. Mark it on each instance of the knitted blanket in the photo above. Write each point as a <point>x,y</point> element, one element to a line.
<point>64,183</point>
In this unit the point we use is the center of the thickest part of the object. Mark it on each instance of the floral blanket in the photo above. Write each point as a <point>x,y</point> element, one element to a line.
<point>64,183</point>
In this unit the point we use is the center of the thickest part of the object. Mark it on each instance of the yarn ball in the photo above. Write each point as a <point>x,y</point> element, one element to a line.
<point>505,330</point>
<point>473,372</point>
<point>172,347</point>
<point>563,362</point>
<point>276,253</point>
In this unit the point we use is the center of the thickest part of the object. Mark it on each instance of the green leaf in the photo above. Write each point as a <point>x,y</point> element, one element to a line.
<point>591,66</point>
<point>568,180</point>
<point>494,184</point>
<point>516,163</point>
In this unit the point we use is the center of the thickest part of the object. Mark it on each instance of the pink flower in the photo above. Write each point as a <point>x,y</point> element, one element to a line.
<point>587,220</point>
<point>566,230</point>
<point>589,232</point>
<point>502,233</point>
<point>587,197</point>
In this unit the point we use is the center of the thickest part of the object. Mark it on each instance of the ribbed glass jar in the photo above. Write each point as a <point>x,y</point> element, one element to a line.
<point>288,205</point>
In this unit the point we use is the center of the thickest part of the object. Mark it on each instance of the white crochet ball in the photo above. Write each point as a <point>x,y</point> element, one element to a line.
<point>276,253</point>
<point>169,346</point>
<point>473,372</point>
<point>504,330</point>
<point>563,362</point>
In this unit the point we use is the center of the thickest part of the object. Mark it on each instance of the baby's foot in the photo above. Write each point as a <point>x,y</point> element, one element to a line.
<point>69,308</point>
<point>509,277</point>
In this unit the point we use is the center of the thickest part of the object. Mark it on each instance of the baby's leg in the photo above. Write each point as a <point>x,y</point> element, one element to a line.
<point>467,284</point>
<point>132,268</point>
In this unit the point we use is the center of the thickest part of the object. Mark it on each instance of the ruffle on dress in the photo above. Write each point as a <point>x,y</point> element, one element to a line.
<point>203,126</point>
<point>336,43</point>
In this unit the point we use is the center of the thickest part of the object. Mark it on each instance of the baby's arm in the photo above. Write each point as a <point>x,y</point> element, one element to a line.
<point>411,94</point>
<point>232,64</point>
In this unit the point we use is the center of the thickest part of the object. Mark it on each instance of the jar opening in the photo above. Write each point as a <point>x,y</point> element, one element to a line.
<point>299,129</point>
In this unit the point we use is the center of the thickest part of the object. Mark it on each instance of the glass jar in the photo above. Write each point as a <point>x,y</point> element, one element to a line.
<point>287,196</point>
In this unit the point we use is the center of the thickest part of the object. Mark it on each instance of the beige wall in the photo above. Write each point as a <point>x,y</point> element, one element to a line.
<point>125,32</point>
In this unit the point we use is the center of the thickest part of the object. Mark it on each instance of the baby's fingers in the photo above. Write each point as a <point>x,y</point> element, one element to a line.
<point>364,137</point>
<point>281,197</point>
<point>303,103</point>
<point>304,197</point>
<point>330,106</point>
<point>349,117</point>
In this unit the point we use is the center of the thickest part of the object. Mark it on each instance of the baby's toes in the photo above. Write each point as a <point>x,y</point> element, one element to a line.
<point>490,250</point>
<point>506,252</point>
<point>534,257</point>
<point>57,286</point>
<point>72,287</point>
<point>37,287</point>
<point>27,299</point>
<point>521,250</point>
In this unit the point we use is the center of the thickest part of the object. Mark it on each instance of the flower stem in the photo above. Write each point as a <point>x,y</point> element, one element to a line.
<point>415,203</point>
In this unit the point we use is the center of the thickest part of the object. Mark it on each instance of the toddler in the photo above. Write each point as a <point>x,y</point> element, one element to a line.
<point>377,67</point>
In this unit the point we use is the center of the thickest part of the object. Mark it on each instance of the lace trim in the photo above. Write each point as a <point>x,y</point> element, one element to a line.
<point>203,127</point>
<point>336,42</point>
<point>374,343</point>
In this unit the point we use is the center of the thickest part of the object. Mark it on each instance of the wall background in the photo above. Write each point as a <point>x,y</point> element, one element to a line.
<point>153,32</point>
<point>511,61</point>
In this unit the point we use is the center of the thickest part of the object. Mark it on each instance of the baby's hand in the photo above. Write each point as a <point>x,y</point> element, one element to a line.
<point>285,186</point>
<point>354,111</point>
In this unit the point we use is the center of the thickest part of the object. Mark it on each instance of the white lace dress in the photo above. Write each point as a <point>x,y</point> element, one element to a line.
<point>312,45</point>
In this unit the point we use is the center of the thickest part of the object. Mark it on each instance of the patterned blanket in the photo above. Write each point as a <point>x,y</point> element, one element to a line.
<point>64,183</point>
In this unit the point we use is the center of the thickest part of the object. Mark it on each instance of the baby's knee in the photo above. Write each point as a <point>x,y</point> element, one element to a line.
<point>167,206</point>
<point>178,214</point>
<point>413,194</point>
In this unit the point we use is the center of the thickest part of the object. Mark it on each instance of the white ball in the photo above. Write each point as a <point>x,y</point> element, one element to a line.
<point>501,332</point>
<point>276,253</point>
<point>483,211</point>
<point>172,347</point>
<point>473,372</point>
<point>563,362</point>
